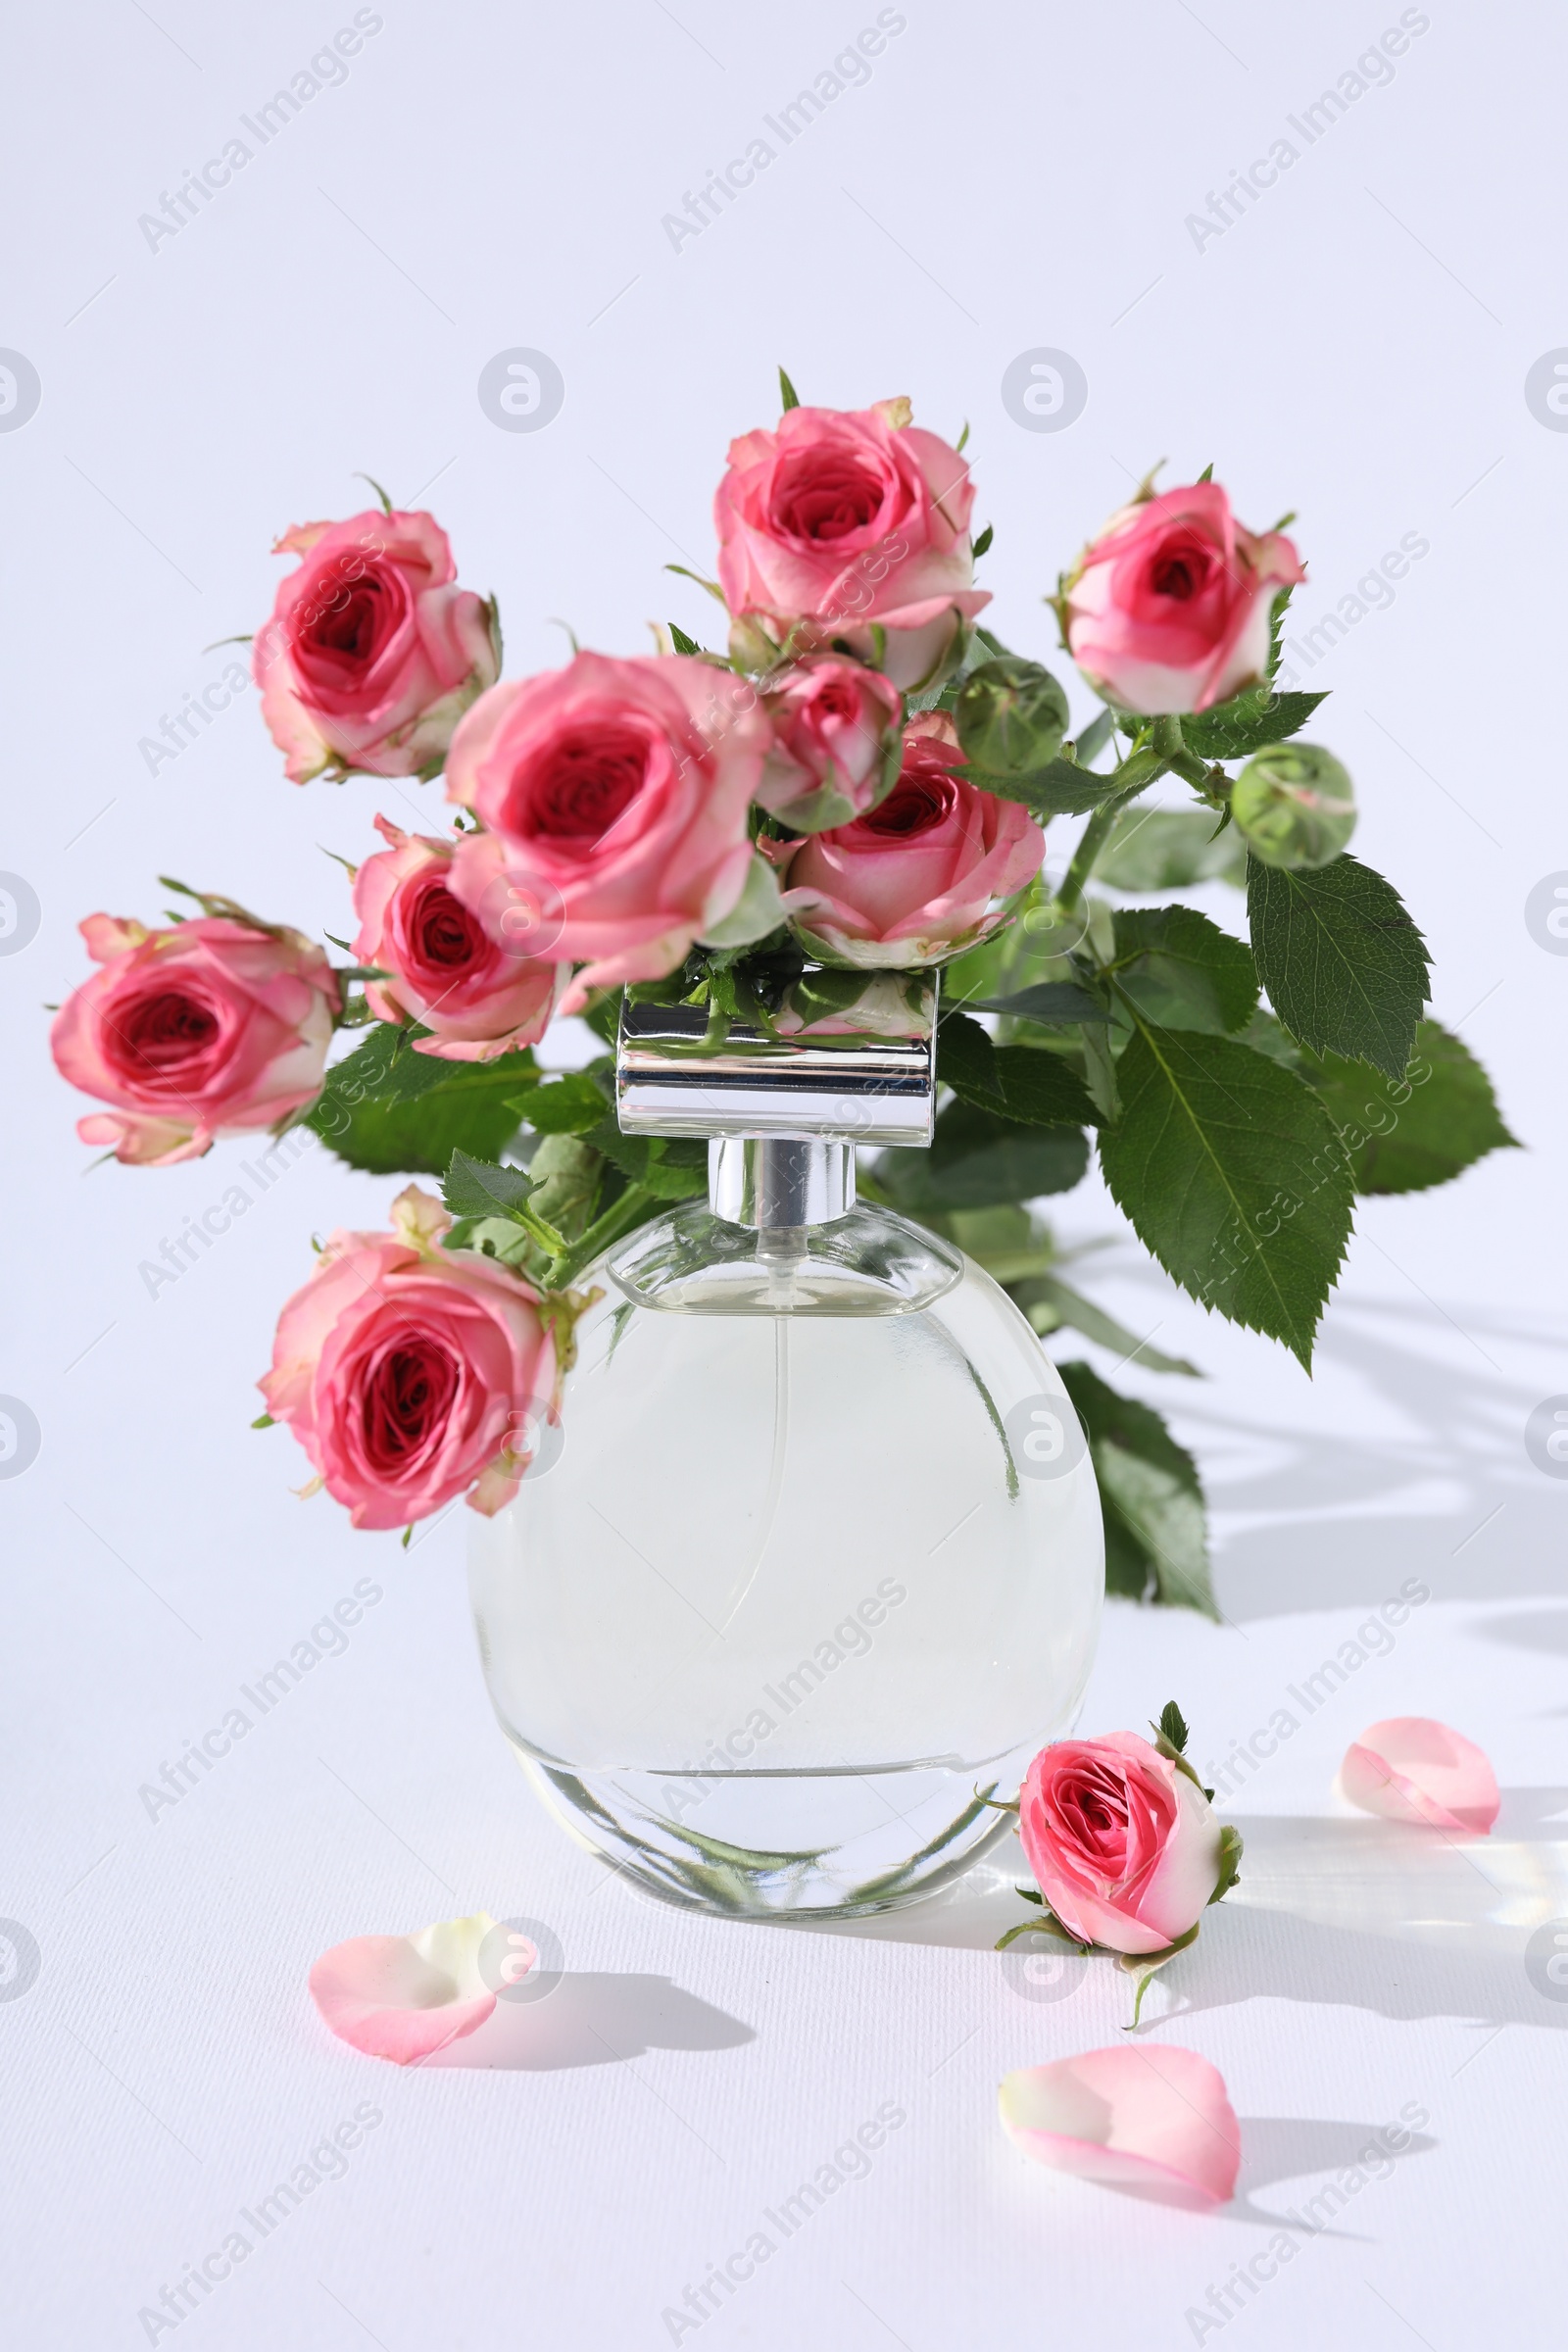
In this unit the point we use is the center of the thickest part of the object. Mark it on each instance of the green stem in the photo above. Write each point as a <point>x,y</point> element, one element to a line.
<point>621,1216</point>
<point>717,1029</point>
<point>1091,842</point>
<point>1136,773</point>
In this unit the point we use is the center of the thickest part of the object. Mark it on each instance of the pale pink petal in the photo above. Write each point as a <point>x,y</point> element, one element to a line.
<point>1412,1769</point>
<point>405,1996</point>
<point>1144,2114</point>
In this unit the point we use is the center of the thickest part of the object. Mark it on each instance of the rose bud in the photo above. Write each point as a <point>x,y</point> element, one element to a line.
<point>851,525</point>
<point>206,1028</point>
<point>920,877</point>
<point>412,1374</point>
<point>837,743</point>
<point>443,967</point>
<point>1123,1842</point>
<point>1012,716</point>
<point>615,796</point>
<point>1294,803</point>
<point>1168,611</point>
<point>372,652</point>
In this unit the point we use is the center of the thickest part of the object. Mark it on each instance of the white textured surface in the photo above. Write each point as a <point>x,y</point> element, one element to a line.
<point>1355,346</point>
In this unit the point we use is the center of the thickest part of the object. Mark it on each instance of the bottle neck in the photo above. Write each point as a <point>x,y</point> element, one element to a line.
<point>770,1181</point>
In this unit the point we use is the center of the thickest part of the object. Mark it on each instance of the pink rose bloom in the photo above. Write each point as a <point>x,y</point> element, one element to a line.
<point>208,1028</point>
<point>372,652</point>
<point>445,970</point>
<point>409,1373</point>
<point>846,520</point>
<point>1169,609</point>
<point>615,798</point>
<point>915,880</point>
<point>1125,1847</point>
<point>836,743</point>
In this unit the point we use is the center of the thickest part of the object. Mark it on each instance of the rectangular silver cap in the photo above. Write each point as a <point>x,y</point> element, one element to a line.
<point>866,1075</point>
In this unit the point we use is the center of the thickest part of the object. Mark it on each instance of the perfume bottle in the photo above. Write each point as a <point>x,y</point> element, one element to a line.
<point>811,1566</point>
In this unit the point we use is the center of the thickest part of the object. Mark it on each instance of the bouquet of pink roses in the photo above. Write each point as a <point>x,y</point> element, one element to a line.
<point>856,785</point>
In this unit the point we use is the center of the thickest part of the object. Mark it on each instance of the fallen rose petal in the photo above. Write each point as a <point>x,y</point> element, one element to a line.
<point>1412,1769</point>
<point>1150,2115</point>
<point>405,1996</point>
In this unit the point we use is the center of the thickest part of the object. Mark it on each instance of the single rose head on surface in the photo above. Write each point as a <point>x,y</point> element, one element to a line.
<point>615,796</point>
<point>412,1374</point>
<point>1147,2115</point>
<point>404,1997</point>
<point>1169,609</point>
<point>923,875</point>
<point>1413,1770</point>
<point>851,527</point>
<point>212,1027</point>
<point>837,743</point>
<point>443,968</point>
<point>1125,1846</point>
<point>372,652</point>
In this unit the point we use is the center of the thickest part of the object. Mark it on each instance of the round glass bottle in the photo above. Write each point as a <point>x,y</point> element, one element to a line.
<point>810,1566</point>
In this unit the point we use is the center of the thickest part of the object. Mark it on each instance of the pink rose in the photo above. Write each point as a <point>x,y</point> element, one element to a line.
<point>445,970</point>
<point>615,798</point>
<point>372,652</point>
<point>1125,1846</point>
<point>850,521</point>
<point>204,1029</point>
<point>1169,609</point>
<point>836,743</point>
<point>915,880</point>
<point>412,1374</point>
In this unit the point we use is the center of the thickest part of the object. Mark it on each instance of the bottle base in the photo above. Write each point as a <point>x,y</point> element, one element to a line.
<point>842,1843</point>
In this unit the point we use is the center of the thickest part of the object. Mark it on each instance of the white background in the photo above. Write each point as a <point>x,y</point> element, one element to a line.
<point>1355,347</point>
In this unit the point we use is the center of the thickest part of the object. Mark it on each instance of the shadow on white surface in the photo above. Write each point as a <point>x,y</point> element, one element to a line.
<point>594,2018</point>
<point>1364,1914</point>
<point>1491,1530</point>
<point>1533,1630</point>
<point>1429,1477</point>
<point>1405,1923</point>
<point>1286,2147</point>
<point>1291,2147</point>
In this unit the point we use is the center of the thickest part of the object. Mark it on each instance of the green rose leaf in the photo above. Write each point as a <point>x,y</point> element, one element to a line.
<point>980,1160</point>
<point>1150,1495</point>
<point>478,1187</point>
<point>1183,971</point>
<point>569,1174</point>
<point>1049,1002</point>
<point>1062,788</point>
<point>1249,721</point>
<point>1050,1304</point>
<point>1343,964</point>
<point>1404,1135</point>
<point>392,1111</point>
<point>567,1105</point>
<point>671,1167</point>
<point>1169,848</point>
<point>822,991</point>
<point>1173,1726</point>
<point>1230,1171</point>
<point>1019,1082</point>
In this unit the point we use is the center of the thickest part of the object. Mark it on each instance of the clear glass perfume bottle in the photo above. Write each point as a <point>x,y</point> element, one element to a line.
<point>812,1566</point>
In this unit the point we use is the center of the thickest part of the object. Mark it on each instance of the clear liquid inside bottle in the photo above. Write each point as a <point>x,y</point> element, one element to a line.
<point>811,1572</point>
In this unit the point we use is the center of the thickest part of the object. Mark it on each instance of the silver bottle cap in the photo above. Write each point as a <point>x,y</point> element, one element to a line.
<point>865,1076</point>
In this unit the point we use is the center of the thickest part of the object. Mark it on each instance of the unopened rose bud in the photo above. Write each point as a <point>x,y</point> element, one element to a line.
<point>1294,803</point>
<point>1010,715</point>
